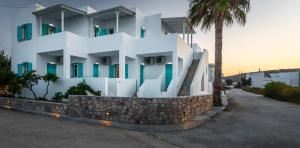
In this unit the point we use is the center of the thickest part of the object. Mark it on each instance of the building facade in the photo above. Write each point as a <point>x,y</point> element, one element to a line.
<point>260,79</point>
<point>119,51</point>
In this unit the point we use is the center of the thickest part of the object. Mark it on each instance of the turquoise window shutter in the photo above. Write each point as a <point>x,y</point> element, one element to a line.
<point>168,74</point>
<point>29,67</point>
<point>72,71</point>
<point>141,74</point>
<point>112,71</point>
<point>19,29</point>
<point>20,71</point>
<point>126,71</point>
<point>96,70</point>
<point>28,31</point>
<point>51,68</point>
<point>44,29</point>
<point>57,29</point>
<point>80,70</point>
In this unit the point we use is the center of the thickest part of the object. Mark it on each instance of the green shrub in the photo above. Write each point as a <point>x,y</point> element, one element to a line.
<point>80,89</point>
<point>273,89</point>
<point>283,92</point>
<point>58,97</point>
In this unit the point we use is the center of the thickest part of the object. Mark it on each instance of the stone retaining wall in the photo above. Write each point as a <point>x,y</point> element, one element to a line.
<point>139,110</point>
<point>33,105</point>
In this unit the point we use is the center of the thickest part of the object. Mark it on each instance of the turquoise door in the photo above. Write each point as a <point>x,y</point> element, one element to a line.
<point>112,71</point>
<point>126,71</point>
<point>141,74</point>
<point>102,32</point>
<point>168,74</point>
<point>51,68</point>
<point>20,70</point>
<point>142,33</point>
<point>96,70</point>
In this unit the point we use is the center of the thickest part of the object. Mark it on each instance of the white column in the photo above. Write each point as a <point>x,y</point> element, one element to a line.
<point>121,64</point>
<point>117,22</point>
<point>191,39</point>
<point>188,39</point>
<point>91,27</point>
<point>40,26</point>
<point>66,64</point>
<point>62,21</point>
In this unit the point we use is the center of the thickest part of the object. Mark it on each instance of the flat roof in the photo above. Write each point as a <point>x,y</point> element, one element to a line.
<point>175,24</point>
<point>111,13</point>
<point>54,12</point>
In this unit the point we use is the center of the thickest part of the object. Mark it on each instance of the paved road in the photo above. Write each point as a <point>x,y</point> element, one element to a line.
<point>254,121</point>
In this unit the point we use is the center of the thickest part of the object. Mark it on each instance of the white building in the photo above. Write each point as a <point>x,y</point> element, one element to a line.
<point>260,79</point>
<point>118,51</point>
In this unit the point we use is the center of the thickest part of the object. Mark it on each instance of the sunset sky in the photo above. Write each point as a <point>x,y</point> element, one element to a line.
<point>270,39</point>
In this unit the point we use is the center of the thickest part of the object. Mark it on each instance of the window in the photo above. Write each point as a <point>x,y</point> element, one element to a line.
<point>24,32</point>
<point>26,67</point>
<point>202,82</point>
<point>75,70</point>
<point>47,29</point>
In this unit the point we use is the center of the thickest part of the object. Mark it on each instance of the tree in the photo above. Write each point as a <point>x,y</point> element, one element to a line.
<point>217,13</point>
<point>16,85</point>
<point>49,78</point>
<point>5,72</point>
<point>29,80</point>
<point>5,61</point>
<point>6,77</point>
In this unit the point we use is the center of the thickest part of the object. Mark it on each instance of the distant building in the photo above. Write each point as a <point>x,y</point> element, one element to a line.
<point>289,77</point>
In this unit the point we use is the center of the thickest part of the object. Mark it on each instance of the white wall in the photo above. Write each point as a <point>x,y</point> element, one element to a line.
<point>153,25</point>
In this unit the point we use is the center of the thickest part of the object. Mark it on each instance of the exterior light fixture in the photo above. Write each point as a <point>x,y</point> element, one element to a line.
<point>144,28</point>
<point>51,25</point>
<point>51,62</point>
<point>97,26</point>
<point>142,63</point>
<point>97,63</point>
<point>185,113</point>
<point>107,113</point>
<point>57,108</point>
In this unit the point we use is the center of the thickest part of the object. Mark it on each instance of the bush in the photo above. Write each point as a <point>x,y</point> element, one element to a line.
<point>283,92</point>
<point>273,89</point>
<point>58,97</point>
<point>80,89</point>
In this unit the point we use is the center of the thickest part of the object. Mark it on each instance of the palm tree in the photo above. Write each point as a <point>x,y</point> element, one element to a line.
<point>217,12</point>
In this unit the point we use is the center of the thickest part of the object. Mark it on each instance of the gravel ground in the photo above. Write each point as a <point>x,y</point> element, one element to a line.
<point>249,121</point>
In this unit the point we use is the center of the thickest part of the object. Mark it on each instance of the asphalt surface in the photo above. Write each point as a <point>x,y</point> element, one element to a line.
<point>250,121</point>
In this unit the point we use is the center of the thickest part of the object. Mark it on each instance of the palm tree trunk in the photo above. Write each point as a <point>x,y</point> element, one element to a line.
<point>218,62</point>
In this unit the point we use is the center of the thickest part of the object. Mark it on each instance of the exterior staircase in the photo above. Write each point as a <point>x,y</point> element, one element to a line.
<point>185,88</point>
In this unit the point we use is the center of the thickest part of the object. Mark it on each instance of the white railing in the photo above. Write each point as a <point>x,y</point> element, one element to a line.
<point>153,87</point>
<point>195,88</point>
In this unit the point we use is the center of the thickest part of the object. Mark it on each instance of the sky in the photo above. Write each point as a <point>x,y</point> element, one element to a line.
<point>269,40</point>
